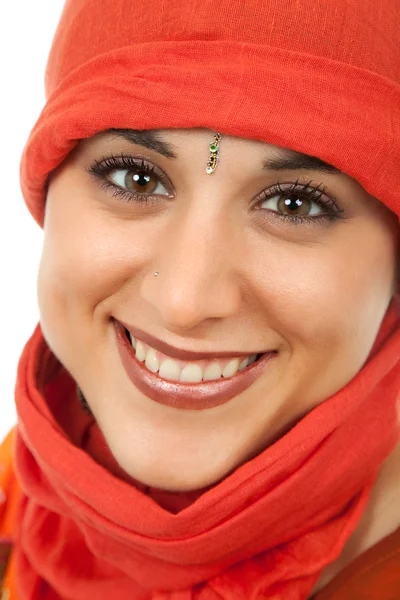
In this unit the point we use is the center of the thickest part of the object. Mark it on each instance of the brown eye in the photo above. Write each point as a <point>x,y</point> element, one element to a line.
<point>140,181</point>
<point>294,206</point>
<point>137,181</point>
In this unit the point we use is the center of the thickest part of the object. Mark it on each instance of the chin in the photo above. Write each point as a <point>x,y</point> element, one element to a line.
<point>172,476</point>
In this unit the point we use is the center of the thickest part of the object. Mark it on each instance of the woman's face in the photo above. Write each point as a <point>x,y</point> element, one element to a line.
<point>244,268</point>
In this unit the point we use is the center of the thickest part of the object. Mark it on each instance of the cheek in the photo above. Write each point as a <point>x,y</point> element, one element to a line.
<point>89,254</point>
<point>87,260</point>
<point>326,304</point>
<point>332,297</point>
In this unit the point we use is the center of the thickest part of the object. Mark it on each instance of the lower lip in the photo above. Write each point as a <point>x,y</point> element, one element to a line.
<point>188,396</point>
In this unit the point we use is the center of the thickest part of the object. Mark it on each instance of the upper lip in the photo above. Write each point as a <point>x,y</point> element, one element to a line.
<point>178,353</point>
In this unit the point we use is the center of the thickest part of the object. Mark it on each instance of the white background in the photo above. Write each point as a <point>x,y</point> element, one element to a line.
<point>26,32</point>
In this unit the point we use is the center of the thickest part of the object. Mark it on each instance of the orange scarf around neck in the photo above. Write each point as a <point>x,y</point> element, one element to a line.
<point>265,531</point>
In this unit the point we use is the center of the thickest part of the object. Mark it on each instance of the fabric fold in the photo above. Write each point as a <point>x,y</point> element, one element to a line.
<point>183,84</point>
<point>272,524</point>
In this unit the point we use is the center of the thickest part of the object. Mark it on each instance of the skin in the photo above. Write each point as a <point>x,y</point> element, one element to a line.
<point>232,278</point>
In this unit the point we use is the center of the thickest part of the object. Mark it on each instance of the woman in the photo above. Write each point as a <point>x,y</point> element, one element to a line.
<point>209,406</point>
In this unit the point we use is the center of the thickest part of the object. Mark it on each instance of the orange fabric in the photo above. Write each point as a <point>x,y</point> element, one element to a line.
<point>318,77</point>
<point>374,574</point>
<point>266,531</point>
<point>10,494</point>
<point>7,482</point>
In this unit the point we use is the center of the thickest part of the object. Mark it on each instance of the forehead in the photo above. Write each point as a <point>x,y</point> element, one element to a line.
<point>166,142</point>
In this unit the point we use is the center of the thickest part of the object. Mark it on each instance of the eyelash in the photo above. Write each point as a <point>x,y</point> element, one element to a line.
<point>103,167</point>
<point>100,169</point>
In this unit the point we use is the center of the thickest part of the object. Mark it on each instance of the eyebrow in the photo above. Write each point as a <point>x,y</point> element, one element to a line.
<point>297,160</point>
<point>147,138</point>
<point>291,160</point>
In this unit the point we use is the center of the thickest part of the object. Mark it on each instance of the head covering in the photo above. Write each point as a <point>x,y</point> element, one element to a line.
<point>317,77</point>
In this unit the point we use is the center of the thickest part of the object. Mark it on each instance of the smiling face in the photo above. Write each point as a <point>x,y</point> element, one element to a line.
<point>243,268</point>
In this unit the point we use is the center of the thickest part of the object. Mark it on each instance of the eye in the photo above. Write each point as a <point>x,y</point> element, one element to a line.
<point>138,181</point>
<point>132,179</point>
<point>300,203</point>
<point>295,205</point>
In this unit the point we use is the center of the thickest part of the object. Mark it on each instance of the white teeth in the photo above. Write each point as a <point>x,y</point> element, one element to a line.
<point>231,368</point>
<point>243,364</point>
<point>152,361</point>
<point>213,371</point>
<point>140,351</point>
<point>191,373</point>
<point>170,370</point>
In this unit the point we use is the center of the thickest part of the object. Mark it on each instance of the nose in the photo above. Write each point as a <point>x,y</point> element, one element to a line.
<point>198,273</point>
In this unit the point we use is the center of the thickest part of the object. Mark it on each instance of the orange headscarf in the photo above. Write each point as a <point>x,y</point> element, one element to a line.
<point>320,78</point>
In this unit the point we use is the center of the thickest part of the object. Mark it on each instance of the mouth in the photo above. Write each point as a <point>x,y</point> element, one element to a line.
<point>187,384</point>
